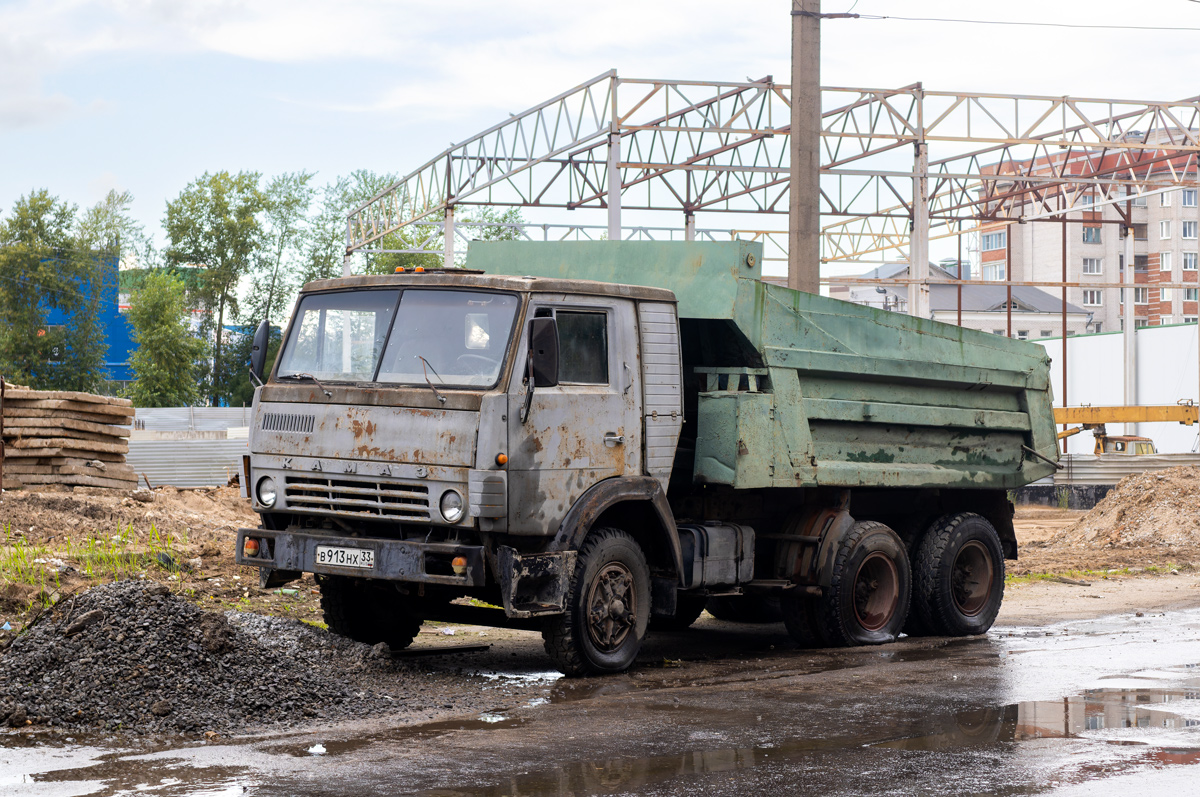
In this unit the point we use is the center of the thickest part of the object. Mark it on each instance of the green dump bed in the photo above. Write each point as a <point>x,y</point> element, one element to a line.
<point>831,393</point>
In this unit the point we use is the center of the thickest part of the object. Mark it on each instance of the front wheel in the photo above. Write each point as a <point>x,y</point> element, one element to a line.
<point>368,612</point>
<point>959,576</point>
<point>866,602</point>
<point>608,607</point>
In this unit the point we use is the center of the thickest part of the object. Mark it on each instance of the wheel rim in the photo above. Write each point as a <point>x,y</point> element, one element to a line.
<point>611,607</point>
<point>876,591</point>
<point>971,578</point>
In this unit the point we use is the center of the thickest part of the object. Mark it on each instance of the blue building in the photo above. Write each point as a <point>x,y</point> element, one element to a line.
<point>118,333</point>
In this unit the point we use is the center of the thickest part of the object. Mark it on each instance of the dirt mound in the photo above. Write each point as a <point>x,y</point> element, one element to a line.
<point>1159,508</point>
<point>193,519</point>
<point>131,656</point>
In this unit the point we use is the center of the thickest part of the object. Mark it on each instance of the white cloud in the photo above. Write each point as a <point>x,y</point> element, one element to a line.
<point>30,110</point>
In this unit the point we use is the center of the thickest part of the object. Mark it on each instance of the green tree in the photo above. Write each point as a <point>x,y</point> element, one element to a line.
<point>44,266</point>
<point>104,234</point>
<point>167,357</point>
<point>214,223</point>
<point>239,351</point>
<point>498,225</point>
<point>287,199</point>
<point>325,241</point>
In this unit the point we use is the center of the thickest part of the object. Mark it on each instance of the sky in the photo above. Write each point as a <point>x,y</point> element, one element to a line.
<point>146,95</point>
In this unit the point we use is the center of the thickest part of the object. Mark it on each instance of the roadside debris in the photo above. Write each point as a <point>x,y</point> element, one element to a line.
<point>131,656</point>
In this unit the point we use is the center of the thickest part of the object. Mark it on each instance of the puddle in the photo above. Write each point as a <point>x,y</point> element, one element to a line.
<point>522,679</point>
<point>1159,727</point>
<point>414,733</point>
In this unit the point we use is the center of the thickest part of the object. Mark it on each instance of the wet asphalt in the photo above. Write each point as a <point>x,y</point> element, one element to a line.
<point>1106,706</point>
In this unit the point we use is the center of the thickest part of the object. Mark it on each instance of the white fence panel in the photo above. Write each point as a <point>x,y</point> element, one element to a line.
<point>187,463</point>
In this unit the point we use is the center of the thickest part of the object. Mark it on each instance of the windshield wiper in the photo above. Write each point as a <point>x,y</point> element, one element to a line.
<point>425,365</point>
<point>324,389</point>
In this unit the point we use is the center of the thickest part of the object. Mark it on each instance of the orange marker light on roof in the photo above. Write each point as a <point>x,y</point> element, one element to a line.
<point>399,269</point>
<point>502,459</point>
<point>419,269</point>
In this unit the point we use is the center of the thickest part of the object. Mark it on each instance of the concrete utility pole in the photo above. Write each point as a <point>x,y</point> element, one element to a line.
<point>614,170</point>
<point>804,206</point>
<point>1130,313</point>
<point>918,237</point>
<point>448,238</point>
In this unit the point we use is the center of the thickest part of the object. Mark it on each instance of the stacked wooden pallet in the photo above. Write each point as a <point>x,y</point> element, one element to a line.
<point>53,437</point>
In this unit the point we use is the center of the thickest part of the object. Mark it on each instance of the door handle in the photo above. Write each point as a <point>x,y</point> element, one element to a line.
<point>612,439</point>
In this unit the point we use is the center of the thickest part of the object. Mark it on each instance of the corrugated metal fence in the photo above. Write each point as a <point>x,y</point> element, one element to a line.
<point>188,463</point>
<point>1091,469</point>
<point>194,419</point>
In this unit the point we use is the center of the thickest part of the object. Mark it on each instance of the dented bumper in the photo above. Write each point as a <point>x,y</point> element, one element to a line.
<point>536,583</point>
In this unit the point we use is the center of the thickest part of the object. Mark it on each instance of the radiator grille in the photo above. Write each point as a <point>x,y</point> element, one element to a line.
<point>357,498</point>
<point>284,422</point>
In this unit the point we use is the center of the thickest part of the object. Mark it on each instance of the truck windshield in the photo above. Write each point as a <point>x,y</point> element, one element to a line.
<point>449,338</point>
<point>338,336</point>
<point>443,337</point>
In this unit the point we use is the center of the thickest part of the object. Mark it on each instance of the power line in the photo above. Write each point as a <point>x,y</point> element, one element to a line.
<point>1027,24</point>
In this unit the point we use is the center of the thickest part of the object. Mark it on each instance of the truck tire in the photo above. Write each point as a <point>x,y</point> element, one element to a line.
<point>959,582</point>
<point>368,613</point>
<point>746,608</point>
<point>801,615</point>
<point>866,602</point>
<point>608,607</point>
<point>688,609</point>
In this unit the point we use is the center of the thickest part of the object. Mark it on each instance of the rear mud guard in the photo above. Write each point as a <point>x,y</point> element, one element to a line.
<point>534,584</point>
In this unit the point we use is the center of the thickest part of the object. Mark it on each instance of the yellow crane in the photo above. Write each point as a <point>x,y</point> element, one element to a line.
<point>1093,419</point>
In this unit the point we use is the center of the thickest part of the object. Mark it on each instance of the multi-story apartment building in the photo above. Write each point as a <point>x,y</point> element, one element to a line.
<point>1165,246</point>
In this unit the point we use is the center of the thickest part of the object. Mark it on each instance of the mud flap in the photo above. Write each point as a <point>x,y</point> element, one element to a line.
<point>663,597</point>
<point>534,584</point>
<point>269,577</point>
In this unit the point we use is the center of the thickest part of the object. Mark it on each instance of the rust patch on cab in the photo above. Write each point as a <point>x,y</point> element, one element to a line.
<point>358,428</point>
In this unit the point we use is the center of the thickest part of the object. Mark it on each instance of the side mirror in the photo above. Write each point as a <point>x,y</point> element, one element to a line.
<point>543,351</point>
<point>258,350</point>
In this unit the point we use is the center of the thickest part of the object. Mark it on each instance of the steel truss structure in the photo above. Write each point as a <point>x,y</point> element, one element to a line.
<point>899,166</point>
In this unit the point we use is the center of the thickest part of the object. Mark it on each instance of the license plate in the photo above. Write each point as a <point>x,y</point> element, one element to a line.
<point>345,557</point>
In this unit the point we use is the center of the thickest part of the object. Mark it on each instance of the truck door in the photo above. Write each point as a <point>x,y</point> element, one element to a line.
<point>586,429</point>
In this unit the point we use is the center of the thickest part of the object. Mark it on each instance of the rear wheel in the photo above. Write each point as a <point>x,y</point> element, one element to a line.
<point>959,576</point>
<point>608,607</point>
<point>801,615</point>
<point>867,600</point>
<point>368,612</point>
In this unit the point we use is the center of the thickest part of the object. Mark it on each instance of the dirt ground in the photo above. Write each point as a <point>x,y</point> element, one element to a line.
<point>56,543</point>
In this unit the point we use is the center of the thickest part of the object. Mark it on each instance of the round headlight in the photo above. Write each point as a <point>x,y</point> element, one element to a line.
<point>451,506</point>
<point>266,491</point>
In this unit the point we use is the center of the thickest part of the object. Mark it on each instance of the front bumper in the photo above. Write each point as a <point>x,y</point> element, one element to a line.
<point>394,560</point>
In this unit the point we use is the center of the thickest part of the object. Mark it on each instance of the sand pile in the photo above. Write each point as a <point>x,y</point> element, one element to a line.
<point>1158,508</point>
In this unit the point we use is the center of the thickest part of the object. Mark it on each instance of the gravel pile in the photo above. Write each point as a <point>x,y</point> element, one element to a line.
<point>1160,508</point>
<point>130,655</point>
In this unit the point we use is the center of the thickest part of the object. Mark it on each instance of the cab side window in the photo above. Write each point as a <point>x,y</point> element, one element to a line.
<point>583,347</point>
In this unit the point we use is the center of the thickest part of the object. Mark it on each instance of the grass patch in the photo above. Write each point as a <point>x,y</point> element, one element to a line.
<point>96,558</point>
<point>28,565</point>
<point>1078,575</point>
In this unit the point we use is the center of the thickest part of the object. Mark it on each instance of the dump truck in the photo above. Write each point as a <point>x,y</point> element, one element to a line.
<point>593,439</point>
